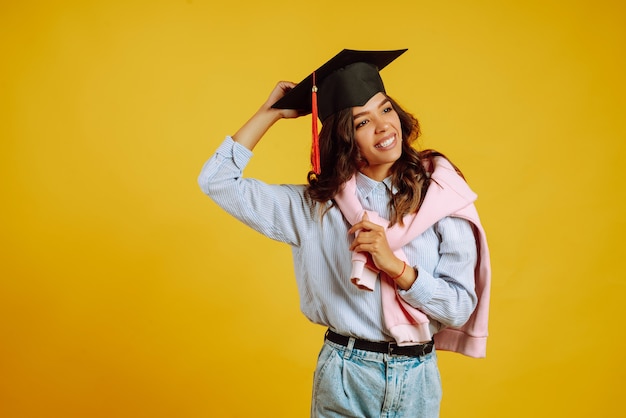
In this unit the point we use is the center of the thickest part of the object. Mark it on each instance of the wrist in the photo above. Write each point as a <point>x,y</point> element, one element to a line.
<point>401,272</point>
<point>269,115</point>
<point>406,279</point>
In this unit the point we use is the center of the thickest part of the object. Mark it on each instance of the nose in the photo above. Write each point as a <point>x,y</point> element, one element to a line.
<point>381,124</point>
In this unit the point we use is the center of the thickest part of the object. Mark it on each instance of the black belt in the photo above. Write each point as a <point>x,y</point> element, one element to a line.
<point>383,347</point>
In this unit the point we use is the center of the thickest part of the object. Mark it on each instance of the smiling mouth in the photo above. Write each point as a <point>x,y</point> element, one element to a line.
<point>386,143</point>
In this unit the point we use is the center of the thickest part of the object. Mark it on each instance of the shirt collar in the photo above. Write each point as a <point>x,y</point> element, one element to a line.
<point>366,185</point>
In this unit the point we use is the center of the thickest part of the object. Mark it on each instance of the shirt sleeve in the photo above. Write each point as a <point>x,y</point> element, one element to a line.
<point>448,294</point>
<point>279,212</point>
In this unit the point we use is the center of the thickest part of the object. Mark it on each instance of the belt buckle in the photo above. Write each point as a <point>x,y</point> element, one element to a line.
<point>390,348</point>
<point>419,349</point>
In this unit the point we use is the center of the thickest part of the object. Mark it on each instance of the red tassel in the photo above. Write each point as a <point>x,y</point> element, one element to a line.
<point>315,149</point>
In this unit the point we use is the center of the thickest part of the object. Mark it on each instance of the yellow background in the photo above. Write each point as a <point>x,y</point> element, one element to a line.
<point>125,292</point>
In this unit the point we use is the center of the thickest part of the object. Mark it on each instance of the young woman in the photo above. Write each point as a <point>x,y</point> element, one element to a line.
<point>388,250</point>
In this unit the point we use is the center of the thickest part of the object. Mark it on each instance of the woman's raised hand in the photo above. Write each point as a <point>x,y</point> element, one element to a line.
<point>253,130</point>
<point>277,93</point>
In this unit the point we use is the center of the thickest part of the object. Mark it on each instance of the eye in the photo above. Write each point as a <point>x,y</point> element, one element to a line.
<point>361,124</point>
<point>388,109</point>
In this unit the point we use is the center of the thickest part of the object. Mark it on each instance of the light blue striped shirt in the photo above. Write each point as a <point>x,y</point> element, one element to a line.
<point>444,255</point>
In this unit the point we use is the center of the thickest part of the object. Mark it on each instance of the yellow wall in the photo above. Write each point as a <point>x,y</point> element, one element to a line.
<point>125,292</point>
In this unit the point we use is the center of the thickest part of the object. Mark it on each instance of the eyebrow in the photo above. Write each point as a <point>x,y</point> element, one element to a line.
<point>383,103</point>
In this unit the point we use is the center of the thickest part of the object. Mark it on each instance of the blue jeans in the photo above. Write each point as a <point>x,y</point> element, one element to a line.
<point>363,384</point>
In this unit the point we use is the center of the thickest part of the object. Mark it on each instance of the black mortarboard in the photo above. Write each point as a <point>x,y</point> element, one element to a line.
<point>348,79</point>
<point>343,81</point>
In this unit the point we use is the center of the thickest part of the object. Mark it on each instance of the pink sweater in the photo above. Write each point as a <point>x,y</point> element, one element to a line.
<point>447,195</point>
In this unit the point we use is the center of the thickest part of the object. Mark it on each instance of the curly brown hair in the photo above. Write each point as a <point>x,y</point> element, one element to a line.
<point>340,159</point>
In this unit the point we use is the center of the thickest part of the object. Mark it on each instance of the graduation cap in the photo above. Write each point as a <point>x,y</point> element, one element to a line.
<point>348,79</point>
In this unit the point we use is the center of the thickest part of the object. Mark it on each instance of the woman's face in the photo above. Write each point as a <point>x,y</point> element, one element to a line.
<point>378,134</point>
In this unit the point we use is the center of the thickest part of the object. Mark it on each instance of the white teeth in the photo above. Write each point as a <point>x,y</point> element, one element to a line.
<point>386,142</point>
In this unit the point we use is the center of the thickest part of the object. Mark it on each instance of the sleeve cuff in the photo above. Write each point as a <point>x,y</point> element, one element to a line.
<point>421,291</point>
<point>231,149</point>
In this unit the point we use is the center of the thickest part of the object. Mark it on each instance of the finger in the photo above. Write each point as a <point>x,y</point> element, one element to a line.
<point>286,86</point>
<point>360,247</point>
<point>364,223</point>
<point>366,247</point>
<point>364,238</point>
